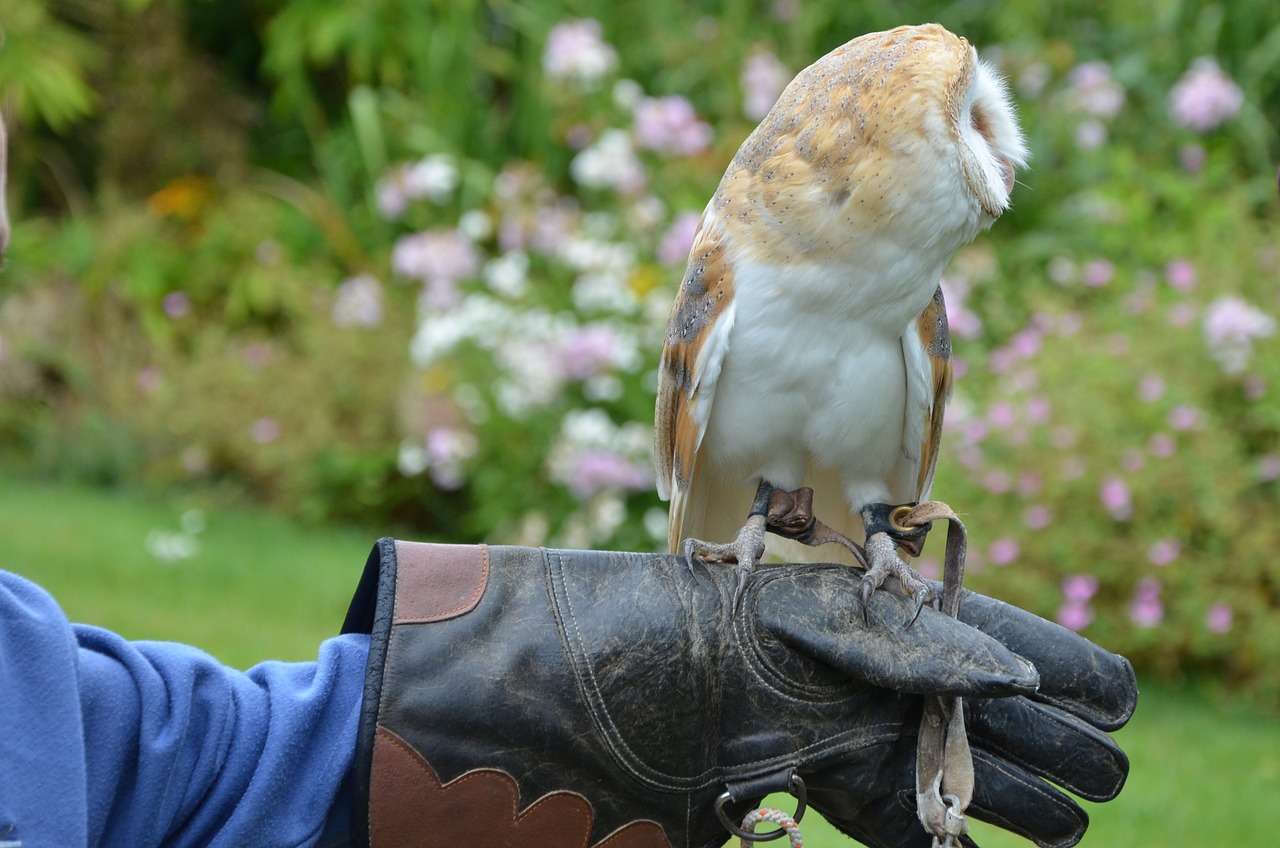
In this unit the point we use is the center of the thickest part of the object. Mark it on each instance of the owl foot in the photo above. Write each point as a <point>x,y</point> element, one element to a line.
<point>790,515</point>
<point>744,552</point>
<point>883,563</point>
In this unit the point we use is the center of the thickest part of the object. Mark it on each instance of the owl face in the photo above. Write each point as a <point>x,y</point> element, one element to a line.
<point>990,141</point>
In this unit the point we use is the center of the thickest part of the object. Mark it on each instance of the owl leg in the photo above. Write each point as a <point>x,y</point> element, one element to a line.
<point>745,551</point>
<point>883,562</point>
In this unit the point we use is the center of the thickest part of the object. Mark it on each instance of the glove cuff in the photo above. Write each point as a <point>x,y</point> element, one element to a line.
<point>400,799</point>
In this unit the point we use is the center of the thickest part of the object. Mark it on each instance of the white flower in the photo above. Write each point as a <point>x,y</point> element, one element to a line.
<point>1230,327</point>
<point>508,274</point>
<point>358,302</point>
<point>609,163</point>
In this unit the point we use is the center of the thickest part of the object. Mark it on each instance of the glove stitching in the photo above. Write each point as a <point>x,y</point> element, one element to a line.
<point>600,711</point>
<point>758,663</point>
<point>868,735</point>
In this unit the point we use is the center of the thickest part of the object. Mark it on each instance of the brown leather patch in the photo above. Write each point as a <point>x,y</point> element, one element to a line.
<point>409,808</point>
<point>437,582</point>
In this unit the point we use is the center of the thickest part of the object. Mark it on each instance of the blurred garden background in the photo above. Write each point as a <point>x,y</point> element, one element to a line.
<point>287,275</point>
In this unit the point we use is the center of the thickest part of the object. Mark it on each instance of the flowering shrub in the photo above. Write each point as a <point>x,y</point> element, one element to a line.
<point>458,334</point>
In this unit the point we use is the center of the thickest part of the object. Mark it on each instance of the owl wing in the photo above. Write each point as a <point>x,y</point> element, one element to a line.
<point>926,347</point>
<point>692,355</point>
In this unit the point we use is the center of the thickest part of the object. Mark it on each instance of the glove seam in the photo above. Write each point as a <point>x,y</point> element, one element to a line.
<point>627,758</point>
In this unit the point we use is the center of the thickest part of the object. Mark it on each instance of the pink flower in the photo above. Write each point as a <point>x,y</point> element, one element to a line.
<point>1180,274</point>
<point>435,256</point>
<point>1003,551</point>
<point>1218,618</point>
<point>1230,328</point>
<point>1151,388</point>
<point>1115,497</point>
<point>673,249</point>
<point>150,378</point>
<point>176,304</point>
<point>447,449</point>
<point>575,50</point>
<point>1037,410</point>
<point>1098,273</point>
<point>763,79</point>
<point>1037,517</point>
<point>1184,417</point>
<point>1269,468</point>
<point>1161,445</point>
<point>1205,97</point>
<point>669,125</point>
<point>1001,415</point>
<point>265,430</point>
<point>1163,551</point>
<point>997,482</point>
<point>1094,91</point>
<point>589,351</point>
<point>1076,612</point>
<point>594,471</point>
<point>1192,157</point>
<point>1076,616</point>
<point>1026,343</point>
<point>1079,587</point>
<point>1145,610</point>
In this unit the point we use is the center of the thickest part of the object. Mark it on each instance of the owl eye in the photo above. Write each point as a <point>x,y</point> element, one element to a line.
<point>978,120</point>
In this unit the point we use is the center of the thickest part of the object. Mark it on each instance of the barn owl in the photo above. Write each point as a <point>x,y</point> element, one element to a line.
<point>808,345</point>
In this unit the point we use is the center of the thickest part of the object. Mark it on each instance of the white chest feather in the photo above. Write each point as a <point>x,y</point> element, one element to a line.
<point>814,374</point>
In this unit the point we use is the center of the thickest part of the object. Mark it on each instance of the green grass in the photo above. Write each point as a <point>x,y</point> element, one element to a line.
<point>263,587</point>
<point>260,587</point>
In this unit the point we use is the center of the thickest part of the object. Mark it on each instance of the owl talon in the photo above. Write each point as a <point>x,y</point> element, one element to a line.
<point>743,553</point>
<point>922,596</point>
<point>883,564</point>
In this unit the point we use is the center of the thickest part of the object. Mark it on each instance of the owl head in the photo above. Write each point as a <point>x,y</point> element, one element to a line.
<point>896,131</point>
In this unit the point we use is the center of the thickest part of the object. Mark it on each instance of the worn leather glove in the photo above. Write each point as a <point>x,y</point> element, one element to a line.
<point>534,697</point>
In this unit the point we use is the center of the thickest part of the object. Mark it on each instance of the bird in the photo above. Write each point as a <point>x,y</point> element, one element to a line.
<point>808,349</point>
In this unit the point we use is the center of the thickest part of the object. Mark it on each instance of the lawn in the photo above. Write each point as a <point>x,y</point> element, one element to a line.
<point>260,587</point>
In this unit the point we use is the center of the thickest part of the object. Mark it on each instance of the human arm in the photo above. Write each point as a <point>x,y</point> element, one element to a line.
<point>107,742</point>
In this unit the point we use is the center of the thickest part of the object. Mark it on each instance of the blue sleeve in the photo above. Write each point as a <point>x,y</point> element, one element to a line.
<point>105,742</point>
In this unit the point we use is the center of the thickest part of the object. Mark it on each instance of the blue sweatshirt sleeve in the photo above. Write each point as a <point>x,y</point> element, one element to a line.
<point>106,742</point>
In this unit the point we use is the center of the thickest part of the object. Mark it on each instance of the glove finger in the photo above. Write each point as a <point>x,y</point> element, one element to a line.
<point>1013,799</point>
<point>1075,674</point>
<point>1051,743</point>
<point>817,612</point>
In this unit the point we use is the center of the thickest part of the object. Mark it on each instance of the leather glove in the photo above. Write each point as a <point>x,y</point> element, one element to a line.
<point>532,697</point>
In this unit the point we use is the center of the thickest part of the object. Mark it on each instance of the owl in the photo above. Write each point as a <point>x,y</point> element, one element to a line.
<point>808,344</point>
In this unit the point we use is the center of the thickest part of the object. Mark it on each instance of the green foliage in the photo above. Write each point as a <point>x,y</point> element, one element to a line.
<point>44,63</point>
<point>411,265</point>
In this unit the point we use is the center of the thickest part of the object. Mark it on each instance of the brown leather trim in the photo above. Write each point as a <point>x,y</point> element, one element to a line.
<point>438,582</point>
<point>409,808</point>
